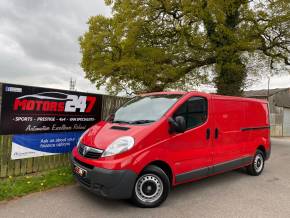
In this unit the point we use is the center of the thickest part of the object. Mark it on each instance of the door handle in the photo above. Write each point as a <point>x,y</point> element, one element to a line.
<point>208,133</point>
<point>216,133</point>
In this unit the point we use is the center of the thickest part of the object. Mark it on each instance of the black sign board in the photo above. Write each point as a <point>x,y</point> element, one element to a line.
<point>26,109</point>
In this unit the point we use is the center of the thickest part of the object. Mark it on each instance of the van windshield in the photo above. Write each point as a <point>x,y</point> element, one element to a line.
<point>145,109</point>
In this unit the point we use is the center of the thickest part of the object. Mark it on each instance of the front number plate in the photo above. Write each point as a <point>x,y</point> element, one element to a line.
<point>80,171</point>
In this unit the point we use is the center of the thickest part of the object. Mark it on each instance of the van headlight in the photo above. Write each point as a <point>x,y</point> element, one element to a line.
<point>120,145</point>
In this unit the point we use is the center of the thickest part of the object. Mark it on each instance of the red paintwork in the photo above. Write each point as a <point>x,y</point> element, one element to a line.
<point>187,151</point>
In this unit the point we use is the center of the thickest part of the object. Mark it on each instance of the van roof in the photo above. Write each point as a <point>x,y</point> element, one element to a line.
<point>238,98</point>
<point>165,93</point>
<point>213,95</point>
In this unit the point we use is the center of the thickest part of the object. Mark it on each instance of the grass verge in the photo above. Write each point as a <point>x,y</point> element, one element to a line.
<point>19,186</point>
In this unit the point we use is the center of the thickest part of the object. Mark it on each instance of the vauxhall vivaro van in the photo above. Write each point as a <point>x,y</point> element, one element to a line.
<point>159,140</point>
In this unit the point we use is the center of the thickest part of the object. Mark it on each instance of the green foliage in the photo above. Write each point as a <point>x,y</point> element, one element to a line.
<point>153,45</point>
<point>23,185</point>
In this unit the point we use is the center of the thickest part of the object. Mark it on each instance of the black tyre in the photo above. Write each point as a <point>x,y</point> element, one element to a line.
<point>151,187</point>
<point>257,166</point>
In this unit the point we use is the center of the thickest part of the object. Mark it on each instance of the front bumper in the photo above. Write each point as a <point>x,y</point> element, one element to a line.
<point>115,184</point>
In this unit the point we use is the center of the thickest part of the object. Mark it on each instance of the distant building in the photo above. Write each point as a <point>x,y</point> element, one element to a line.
<point>279,103</point>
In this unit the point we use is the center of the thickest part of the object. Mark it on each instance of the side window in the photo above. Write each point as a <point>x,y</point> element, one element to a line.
<point>194,111</point>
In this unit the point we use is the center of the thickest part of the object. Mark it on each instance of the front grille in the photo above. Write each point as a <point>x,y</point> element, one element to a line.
<point>89,152</point>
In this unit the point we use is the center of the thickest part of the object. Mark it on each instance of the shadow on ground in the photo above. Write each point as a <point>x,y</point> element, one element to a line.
<point>183,190</point>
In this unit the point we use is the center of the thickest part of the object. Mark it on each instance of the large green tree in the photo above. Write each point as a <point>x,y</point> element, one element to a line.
<point>152,45</point>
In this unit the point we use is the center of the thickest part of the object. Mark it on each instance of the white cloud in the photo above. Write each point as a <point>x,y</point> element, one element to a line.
<point>39,41</point>
<point>282,81</point>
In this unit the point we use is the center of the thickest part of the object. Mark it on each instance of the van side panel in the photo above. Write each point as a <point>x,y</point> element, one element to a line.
<point>256,126</point>
<point>229,118</point>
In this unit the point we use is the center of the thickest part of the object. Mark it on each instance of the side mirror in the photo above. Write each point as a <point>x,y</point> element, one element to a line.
<point>177,125</point>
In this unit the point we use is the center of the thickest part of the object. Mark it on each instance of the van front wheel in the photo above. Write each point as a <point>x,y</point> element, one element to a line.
<point>151,187</point>
<point>257,166</point>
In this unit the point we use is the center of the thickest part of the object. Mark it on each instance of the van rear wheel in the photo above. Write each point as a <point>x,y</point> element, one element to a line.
<point>257,166</point>
<point>151,188</point>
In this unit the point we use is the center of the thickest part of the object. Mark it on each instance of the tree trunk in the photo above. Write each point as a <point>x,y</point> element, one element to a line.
<point>230,74</point>
<point>230,71</point>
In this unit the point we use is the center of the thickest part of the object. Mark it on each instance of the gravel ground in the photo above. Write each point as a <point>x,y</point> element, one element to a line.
<point>233,194</point>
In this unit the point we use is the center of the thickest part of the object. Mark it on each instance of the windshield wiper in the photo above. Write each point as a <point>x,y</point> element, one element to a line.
<point>120,121</point>
<point>133,122</point>
<point>142,121</point>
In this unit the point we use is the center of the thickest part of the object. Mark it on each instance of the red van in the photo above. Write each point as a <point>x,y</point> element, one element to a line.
<point>159,140</point>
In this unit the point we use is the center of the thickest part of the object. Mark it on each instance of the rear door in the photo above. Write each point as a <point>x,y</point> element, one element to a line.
<point>229,139</point>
